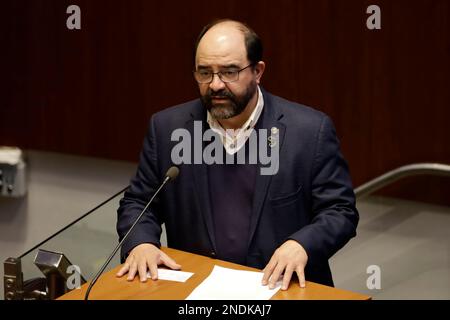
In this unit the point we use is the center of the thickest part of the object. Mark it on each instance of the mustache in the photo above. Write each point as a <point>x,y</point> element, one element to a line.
<point>219,94</point>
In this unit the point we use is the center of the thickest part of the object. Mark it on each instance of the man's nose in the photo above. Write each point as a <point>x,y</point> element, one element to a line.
<point>216,84</point>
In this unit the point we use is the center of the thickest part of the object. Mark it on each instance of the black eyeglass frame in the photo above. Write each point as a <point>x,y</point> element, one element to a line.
<point>220,74</point>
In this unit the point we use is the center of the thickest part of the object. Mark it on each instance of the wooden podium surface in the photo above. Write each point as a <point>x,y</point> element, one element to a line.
<point>109,287</point>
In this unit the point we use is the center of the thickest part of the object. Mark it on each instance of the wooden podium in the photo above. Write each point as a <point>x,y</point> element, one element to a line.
<point>109,287</point>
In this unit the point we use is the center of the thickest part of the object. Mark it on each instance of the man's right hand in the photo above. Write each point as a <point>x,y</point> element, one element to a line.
<point>145,257</point>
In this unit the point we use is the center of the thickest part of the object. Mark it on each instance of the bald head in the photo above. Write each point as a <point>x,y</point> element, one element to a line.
<point>229,38</point>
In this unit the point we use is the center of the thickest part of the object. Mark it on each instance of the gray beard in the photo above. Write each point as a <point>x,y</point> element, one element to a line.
<point>230,108</point>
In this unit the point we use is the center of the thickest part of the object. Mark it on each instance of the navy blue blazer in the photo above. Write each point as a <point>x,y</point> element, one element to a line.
<point>309,200</point>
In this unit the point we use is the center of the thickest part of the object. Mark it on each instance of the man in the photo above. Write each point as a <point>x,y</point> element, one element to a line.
<point>289,222</point>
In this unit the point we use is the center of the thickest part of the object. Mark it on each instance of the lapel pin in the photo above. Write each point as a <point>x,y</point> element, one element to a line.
<point>272,141</point>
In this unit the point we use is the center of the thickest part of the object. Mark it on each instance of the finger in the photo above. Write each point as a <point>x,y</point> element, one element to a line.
<point>142,267</point>
<point>276,275</point>
<point>287,277</point>
<point>123,270</point>
<point>268,271</point>
<point>132,271</point>
<point>127,265</point>
<point>153,270</point>
<point>301,277</point>
<point>168,261</point>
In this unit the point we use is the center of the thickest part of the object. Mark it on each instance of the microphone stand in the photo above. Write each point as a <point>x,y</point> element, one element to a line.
<point>94,280</point>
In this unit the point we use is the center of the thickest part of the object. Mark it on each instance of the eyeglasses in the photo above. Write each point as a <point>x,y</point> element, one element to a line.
<point>205,76</point>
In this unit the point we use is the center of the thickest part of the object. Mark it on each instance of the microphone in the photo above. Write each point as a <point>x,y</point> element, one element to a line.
<point>171,174</point>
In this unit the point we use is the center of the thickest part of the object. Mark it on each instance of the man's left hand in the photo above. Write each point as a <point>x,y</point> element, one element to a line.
<point>289,257</point>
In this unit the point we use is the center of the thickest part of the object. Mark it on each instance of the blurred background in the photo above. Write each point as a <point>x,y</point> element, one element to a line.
<point>78,103</point>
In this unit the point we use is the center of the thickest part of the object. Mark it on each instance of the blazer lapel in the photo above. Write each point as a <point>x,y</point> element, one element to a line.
<point>270,119</point>
<point>200,174</point>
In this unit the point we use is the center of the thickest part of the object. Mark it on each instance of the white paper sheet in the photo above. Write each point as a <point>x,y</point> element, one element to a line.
<point>230,284</point>
<point>172,275</point>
